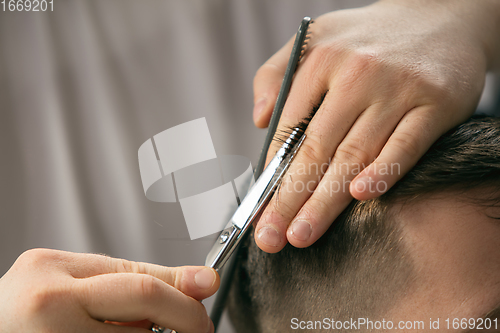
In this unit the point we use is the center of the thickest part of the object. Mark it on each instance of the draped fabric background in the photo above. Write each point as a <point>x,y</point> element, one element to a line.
<point>82,87</point>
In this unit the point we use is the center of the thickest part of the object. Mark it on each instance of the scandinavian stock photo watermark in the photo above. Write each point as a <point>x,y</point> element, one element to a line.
<point>331,177</point>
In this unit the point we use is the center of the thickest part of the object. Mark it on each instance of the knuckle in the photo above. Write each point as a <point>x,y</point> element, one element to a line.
<point>318,203</point>
<point>44,298</point>
<point>352,154</point>
<point>265,71</point>
<point>430,82</point>
<point>322,52</point>
<point>317,55</point>
<point>40,299</point>
<point>125,266</point>
<point>362,61</point>
<point>176,278</point>
<point>148,288</point>
<point>35,257</point>
<point>359,65</point>
<point>321,57</point>
<point>282,207</point>
<point>407,143</point>
<point>313,150</point>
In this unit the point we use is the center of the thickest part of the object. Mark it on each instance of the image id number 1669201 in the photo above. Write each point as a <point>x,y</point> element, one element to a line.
<point>27,5</point>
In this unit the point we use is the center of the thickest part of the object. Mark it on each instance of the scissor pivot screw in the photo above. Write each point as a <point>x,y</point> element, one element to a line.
<point>224,237</point>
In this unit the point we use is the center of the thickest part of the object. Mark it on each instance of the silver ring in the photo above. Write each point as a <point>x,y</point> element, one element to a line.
<point>157,328</point>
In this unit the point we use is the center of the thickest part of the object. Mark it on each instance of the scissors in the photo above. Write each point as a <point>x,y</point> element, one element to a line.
<point>267,182</point>
<point>259,195</point>
<point>254,202</point>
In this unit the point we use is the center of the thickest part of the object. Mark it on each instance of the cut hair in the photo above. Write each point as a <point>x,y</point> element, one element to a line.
<point>360,267</point>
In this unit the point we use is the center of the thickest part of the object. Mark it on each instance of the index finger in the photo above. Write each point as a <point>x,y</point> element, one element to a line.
<point>131,297</point>
<point>185,278</point>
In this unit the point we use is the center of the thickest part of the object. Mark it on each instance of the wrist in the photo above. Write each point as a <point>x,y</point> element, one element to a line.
<point>477,22</point>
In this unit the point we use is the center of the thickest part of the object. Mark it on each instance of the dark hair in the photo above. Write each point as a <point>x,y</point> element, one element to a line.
<point>359,268</point>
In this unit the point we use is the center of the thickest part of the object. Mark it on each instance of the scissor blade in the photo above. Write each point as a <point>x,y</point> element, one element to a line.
<point>242,218</point>
<point>253,203</point>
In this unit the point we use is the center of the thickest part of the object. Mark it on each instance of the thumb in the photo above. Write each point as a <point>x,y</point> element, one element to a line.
<point>266,85</point>
<point>194,281</point>
<point>198,282</point>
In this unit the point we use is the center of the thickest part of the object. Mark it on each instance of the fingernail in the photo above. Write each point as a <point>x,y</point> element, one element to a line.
<point>205,278</point>
<point>269,236</point>
<point>259,107</point>
<point>301,230</point>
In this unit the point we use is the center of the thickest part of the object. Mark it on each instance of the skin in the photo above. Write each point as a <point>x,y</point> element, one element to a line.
<point>397,75</point>
<point>455,248</point>
<point>56,291</point>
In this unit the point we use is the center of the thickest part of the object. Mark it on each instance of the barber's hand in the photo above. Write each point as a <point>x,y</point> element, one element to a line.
<point>395,76</point>
<point>55,291</point>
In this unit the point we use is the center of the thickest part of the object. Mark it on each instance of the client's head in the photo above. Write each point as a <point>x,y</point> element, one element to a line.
<point>429,248</point>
